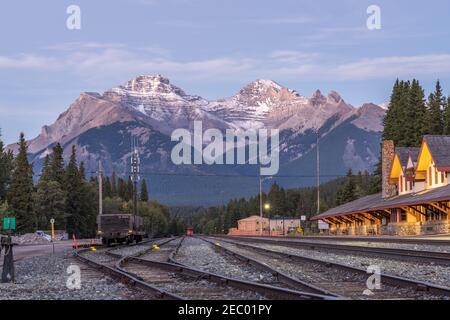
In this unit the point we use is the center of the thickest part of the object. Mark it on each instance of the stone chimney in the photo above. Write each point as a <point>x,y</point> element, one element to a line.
<point>387,158</point>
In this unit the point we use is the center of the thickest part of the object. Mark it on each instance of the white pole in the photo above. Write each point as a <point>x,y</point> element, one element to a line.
<point>260,207</point>
<point>318,174</point>
<point>100,188</point>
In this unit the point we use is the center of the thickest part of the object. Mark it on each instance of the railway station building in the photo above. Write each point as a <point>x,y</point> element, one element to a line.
<point>415,197</point>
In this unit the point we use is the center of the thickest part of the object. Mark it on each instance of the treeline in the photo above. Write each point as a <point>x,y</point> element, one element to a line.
<point>282,202</point>
<point>410,116</point>
<point>64,193</point>
<point>118,198</point>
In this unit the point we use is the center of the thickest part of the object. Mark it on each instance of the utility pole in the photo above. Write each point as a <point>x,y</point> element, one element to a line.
<point>260,207</point>
<point>100,188</point>
<point>135,162</point>
<point>318,172</point>
<point>100,194</point>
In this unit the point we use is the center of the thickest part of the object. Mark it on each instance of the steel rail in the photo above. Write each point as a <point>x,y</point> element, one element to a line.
<point>282,277</point>
<point>269,291</point>
<point>386,278</point>
<point>124,277</point>
<point>441,258</point>
<point>437,242</point>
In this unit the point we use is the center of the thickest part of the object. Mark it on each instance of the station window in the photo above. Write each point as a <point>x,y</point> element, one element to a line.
<point>403,216</point>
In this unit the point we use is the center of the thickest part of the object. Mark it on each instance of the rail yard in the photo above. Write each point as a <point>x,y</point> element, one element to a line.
<point>242,268</point>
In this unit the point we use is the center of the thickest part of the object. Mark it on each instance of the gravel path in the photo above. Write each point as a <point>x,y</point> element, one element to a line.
<point>432,273</point>
<point>45,277</point>
<point>199,254</point>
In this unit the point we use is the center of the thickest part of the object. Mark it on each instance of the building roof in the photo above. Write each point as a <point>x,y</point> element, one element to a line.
<point>376,202</point>
<point>253,217</point>
<point>404,153</point>
<point>439,147</point>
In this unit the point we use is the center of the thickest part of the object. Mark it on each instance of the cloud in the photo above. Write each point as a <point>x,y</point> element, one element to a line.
<point>27,61</point>
<point>282,20</point>
<point>94,62</point>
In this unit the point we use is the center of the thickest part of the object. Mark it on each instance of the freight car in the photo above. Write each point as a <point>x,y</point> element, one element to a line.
<point>120,228</point>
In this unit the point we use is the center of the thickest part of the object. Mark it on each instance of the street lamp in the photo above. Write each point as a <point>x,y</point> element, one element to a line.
<point>261,179</point>
<point>267,208</point>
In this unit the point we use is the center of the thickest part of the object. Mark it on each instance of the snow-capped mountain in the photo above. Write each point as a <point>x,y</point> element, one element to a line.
<point>151,107</point>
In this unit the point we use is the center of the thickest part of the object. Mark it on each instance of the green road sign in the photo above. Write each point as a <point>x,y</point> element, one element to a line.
<point>9,223</point>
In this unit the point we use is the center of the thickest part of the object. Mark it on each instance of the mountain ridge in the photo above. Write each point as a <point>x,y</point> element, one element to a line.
<point>150,107</point>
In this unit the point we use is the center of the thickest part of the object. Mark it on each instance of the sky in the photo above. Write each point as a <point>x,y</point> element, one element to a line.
<point>213,48</point>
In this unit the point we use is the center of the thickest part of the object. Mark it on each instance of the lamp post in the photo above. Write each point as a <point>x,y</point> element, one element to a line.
<point>267,208</point>
<point>261,179</point>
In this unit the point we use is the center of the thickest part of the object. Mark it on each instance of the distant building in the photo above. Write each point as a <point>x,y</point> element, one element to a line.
<point>415,197</point>
<point>251,226</point>
<point>285,225</point>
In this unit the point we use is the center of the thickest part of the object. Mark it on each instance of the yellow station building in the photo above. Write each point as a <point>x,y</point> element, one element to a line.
<point>415,199</point>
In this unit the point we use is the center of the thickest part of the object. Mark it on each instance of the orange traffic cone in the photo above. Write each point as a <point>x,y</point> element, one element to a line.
<point>75,243</point>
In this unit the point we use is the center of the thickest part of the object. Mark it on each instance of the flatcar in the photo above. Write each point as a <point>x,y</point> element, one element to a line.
<point>190,232</point>
<point>120,228</point>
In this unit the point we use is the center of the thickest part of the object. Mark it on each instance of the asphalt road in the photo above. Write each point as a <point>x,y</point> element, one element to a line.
<point>26,251</point>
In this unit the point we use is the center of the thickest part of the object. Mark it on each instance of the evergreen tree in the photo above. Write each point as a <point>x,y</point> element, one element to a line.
<point>82,171</point>
<point>121,189</point>
<point>20,196</point>
<point>114,184</point>
<point>436,102</point>
<point>129,190</point>
<point>107,192</point>
<point>144,191</point>
<point>447,117</point>
<point>6,167</point>
<point>49,202</point>
<point>415,116</point>
<point>76,223</point>
<point>57,165</point>
<point>348,192</point>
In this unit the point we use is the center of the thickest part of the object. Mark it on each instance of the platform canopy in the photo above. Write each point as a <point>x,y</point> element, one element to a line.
<point>376,203</point>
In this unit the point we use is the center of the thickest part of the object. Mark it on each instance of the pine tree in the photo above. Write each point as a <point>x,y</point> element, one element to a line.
<point>129,190</point>
<point>395,119</point>
<point>76,224</point>
<point>6,167</point>
<point>121,189</point>
<point>144,191</point>
<point>447,117</point>
<point>49,202</point>
<point>415,116</point>
<point>82,171</point>
<point>107,192</point>
<point>436,102</point>
<point>114,184</point>
<point>20,195</point>
<point>348,192</point>
<point>57,165</point>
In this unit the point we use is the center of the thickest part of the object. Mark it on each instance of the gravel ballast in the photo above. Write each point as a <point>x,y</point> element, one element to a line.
<point>200,254</point>
<point>432,273</point>
<point>45,278</point>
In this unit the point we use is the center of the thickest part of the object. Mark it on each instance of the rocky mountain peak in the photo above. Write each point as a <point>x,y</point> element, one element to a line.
<point>334,96</point>
<point>317,98</point>
<point>149,85</point>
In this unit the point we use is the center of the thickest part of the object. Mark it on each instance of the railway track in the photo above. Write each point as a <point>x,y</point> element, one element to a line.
<point>430,241</point>
<point>340,279</point>
<point>441,258</point>
<point>278,278</point>
<point>170,280</point>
